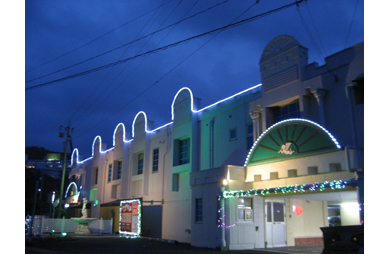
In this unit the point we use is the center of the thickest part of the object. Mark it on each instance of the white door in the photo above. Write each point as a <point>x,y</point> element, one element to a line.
<point>275,223</point>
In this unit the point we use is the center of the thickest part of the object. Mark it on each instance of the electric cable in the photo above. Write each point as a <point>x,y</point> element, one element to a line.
<point>109,51</point>
<point>101,36</point>
<point>350,27</point>
<point>133,70</point>
<point>315,28</point>
<point>101,82</point>
<point>244,21</point>
<point>166,74</point>
<point>310,34</point>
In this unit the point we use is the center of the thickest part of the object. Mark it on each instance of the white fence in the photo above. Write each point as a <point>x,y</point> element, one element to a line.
<point>43,225</point>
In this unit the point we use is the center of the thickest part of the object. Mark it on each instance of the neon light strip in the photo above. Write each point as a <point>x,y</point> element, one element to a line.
<point>116,128</point>
<point>228,98</point>
<point>72,183</point>
<point>289,120</point>
<point>216,103</point>
<point>158,128</point>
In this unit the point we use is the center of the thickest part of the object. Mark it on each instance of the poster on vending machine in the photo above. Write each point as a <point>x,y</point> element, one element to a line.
<point>130,217</point>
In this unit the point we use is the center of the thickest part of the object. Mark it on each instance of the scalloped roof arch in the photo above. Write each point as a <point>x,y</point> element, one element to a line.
<point>278,45</point>
<point>176,97</point>
<point>75,151</point>
<point>123,130</point>
<point>145,119</point>
<point>291,139</point>
<point>100,144</point>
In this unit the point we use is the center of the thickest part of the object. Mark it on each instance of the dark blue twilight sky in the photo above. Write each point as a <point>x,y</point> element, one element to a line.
<point>59,34</point>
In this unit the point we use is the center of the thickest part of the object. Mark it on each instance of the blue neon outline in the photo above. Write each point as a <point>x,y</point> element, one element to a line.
<point>158,128</point>
<point>290,120</point>
<point>124,133</point>
<point>67,189</point>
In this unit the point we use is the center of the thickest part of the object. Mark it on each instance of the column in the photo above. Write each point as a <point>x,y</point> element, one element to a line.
<point>319,95</point>
<point>255,115</point>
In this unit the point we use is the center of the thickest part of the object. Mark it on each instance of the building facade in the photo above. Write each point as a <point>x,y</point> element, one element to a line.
<point>265,167</point>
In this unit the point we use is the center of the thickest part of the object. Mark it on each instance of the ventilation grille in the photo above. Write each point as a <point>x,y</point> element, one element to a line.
<point>280,79</point>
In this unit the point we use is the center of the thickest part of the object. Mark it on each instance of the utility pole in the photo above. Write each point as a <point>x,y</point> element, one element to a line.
<point>68,138</point>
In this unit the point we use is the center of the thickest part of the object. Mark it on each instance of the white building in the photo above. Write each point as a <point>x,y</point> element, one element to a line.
<point>303,125</point>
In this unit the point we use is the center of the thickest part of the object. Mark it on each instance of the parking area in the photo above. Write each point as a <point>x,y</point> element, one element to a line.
<point>118,244</point>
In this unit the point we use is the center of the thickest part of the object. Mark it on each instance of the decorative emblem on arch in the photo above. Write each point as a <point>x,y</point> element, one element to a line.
<point>290,139</point>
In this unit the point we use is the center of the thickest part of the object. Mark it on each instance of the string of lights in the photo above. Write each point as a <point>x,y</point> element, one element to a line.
<point>290,189</point>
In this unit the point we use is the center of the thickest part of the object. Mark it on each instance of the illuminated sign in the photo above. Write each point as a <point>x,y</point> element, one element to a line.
<point>130,217</point>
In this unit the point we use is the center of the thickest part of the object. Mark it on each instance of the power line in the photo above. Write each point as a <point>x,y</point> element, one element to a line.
<point>166,74</point>
<point>350,27</point>
<point>109,51</point>
<point>244,21</point>
<point>90,105</point>
<point>98,37</point>
<point>138,66</point>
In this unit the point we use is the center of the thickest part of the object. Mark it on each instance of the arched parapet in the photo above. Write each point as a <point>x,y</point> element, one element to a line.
<point>141,125</point>
<point>71,190</point>
<point>74,159</point>
<point>184,103</point>
<point>119,136</point>
<point>277,46</point>
<point>96,146</point>
<point>291,139</point>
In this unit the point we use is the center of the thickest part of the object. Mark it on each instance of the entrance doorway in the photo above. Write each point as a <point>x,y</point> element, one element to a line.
<point>275,223</point>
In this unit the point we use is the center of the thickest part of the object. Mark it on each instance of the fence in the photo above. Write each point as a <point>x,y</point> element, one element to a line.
<point>42,225</point>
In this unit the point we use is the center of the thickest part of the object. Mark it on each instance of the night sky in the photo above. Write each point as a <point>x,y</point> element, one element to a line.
<point>65,38</point>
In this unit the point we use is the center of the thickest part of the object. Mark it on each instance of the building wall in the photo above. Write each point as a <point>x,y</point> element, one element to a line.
<point>324,94</point>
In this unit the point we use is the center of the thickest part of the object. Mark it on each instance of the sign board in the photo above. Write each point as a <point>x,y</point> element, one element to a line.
<point>130,217</point>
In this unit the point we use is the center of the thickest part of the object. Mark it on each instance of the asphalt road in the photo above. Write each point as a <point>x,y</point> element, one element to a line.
<point>112,244</point>
<point>117,244</point>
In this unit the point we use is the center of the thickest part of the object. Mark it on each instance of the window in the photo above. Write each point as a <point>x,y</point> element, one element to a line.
<point>286,112</point>
<point>92,195</point>
<point>183,151</point>
<point>359,91</point>
<point>312,170</point>
<point>155,160</point>
<point>114,191</point>
<point>258,178</point>
<point>181,154</point>
<point>233,134</point>
<point>95,175</point>
<point>335,167</point>
<point>292,173</point>
<point>140,164</point>
<point>175,182</point>
<point>198,210</point>
<point>109,172</point>
<point>249,136</point>
<point>119,172</point>
<point>245,211</point>
<point>274,175</point>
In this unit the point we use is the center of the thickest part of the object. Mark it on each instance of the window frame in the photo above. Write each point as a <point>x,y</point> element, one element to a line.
<point>245,213</point>
<point>156,155</point>
<point>184,145</point>
<point>109,178</point>
<point>233,131</point>
<point>140,163</point>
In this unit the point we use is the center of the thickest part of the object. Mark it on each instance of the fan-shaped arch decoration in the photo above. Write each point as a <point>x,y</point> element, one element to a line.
<point>291,139</point>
